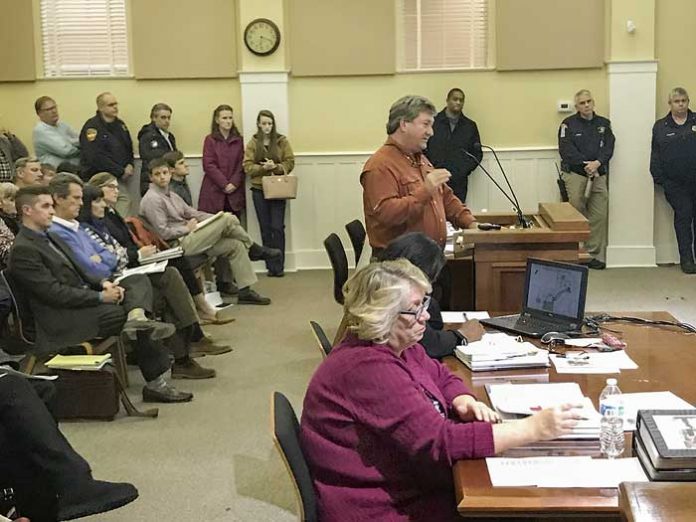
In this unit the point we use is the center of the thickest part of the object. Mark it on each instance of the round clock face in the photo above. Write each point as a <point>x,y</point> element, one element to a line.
<point>262,37</point>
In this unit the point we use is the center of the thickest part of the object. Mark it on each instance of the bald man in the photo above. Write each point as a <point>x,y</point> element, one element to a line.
<point>106,146</point>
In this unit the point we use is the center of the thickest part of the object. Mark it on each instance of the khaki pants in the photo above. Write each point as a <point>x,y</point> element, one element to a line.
<point>595,209</point>
<point>224,237</point>
<point>123,203</point>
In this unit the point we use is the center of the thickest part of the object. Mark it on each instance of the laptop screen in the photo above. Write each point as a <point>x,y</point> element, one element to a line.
<point>556,289</point>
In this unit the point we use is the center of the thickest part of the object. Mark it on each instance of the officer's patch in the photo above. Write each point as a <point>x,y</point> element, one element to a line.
<point>563,129</point>
<point>91,134</point>
<point>693,128</point>
<point>153,144</point>
<point>600,130</point>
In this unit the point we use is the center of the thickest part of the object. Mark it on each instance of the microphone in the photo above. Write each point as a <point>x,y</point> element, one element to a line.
<point>514,205</point>
<point>523,221</point>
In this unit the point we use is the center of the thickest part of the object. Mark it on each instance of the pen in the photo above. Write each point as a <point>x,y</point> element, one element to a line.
<point>466,317</point>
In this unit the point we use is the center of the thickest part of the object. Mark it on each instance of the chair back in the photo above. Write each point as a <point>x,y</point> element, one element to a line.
<point>286,435</point>
<point>322,341</point>
<point>357,234</point>
<point>24,317</point>
<point>339,263</point>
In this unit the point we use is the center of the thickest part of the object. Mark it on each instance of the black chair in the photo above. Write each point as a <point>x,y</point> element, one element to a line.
<point>322,341</point>
<point>339,263</point>
<point>357,234</point>
<point>286,435</point>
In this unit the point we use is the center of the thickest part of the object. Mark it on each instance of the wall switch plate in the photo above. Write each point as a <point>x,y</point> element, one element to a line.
<point>565,106</point>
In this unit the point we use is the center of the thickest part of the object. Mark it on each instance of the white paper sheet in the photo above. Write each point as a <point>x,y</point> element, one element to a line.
<point>564,472</point>
<point>152,268</point>
<point>591,362</point>
<point>663,400</point>
<point>462,317</point>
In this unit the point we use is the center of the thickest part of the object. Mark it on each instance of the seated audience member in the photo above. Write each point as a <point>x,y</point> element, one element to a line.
<point>179,170</point>
<point>54,141</point>
<point>382,423</point>
<point>427,255</point>
<point>118,228</point>
<point>8,210</point>
<point>155,140</point>
<point>269,153</point>
<point>222,187</point>
<point>51,481</point>
<point>27,172</point>
<point>6,241</point>
<point>106,146</point>
<point>70,308</point>
<point>173,219</point>
<point>169,288</point>
<point>48,171</point>
<point>11,149</point>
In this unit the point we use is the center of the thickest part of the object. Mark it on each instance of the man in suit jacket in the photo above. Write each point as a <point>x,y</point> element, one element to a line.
<point>69,309</point>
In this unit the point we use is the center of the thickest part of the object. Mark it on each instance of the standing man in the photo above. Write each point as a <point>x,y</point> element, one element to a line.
<point>154,141</point>
<point>402,191</point>
<point>107,147</point>
<point>55,142</point>
<point>586,144</point>
<point>673,165</point>
<point>454,133</point>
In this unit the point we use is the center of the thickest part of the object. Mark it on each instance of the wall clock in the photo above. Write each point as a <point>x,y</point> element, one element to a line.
<point>262,36</point>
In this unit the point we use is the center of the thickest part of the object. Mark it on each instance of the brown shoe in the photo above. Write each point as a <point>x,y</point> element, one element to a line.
<point>207,346</point>
<point>190,369</point>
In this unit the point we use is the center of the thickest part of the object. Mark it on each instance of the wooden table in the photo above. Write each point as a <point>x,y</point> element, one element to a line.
<point>658,501</point>
<point>666,360</point>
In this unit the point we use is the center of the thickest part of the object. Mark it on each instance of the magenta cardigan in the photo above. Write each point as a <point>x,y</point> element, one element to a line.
<point>222,164</point>
<point>374,440</point>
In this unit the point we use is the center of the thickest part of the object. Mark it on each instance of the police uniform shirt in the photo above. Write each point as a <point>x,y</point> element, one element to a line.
<point>105,146</point>
<point>581,140</point>
<point>673,155</point>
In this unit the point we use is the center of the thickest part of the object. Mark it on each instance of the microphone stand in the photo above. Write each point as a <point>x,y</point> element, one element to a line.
<point>514,205</point>
<point>523,221</point>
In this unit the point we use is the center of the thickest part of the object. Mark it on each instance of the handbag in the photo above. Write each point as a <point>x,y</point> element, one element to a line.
<point>279,187</point>
<point>93,394</point>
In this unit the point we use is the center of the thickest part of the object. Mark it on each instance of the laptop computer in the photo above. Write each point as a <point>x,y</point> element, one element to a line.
<point>554,300</point>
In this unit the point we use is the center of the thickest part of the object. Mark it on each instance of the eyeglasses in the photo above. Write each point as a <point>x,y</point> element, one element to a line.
<point>418,312</point>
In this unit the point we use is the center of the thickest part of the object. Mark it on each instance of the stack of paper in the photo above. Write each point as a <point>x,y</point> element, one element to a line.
<point>564,472</point>
<point>152,268</point>
<point>500,351</point>
<point>170,253</point>
<point>611,362</point>
<point>79,362</point>
<point>515,401</point>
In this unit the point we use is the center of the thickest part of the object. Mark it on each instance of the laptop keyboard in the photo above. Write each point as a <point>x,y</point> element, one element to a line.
<point>539,325</point>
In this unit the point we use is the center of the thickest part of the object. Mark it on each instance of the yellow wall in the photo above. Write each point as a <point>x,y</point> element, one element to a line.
<point>193,102</point>
<point>273,10</point>
<point>639,45</point>
<point>512,109</point>
<point>675,24</point>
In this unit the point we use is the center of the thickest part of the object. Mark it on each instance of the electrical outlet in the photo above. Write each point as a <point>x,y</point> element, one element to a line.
<point>564,106</point>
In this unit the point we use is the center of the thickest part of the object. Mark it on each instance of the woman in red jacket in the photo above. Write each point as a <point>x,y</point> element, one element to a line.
<point>223,152</point>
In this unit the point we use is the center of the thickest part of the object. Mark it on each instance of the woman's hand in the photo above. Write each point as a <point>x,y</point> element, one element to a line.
<point>268,164</point>
<point>229,188</point>
<point>552,423</point>
<point>469,409</point>
<point>147,251</point>
<point>472,330</point>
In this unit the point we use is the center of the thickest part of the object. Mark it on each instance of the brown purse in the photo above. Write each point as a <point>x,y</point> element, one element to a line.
<point>279,187</point>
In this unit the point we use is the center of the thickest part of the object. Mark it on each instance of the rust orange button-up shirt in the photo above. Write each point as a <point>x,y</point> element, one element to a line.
<point>396,201</point>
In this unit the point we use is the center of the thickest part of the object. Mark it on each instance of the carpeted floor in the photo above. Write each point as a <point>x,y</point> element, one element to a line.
<point>213,459</point>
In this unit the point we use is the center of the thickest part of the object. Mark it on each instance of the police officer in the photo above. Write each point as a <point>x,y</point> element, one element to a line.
<point>155,140</point>
<point>454,133</point>
<point>673,165</point>
<point>586,144</point>
<point>106,146</point>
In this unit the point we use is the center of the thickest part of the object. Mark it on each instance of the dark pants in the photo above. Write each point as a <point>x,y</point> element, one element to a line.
<point>681,195</point>
<point>152,356</point>
<point>271,214</point>
<point>35,458</point>
<point>459,183</point>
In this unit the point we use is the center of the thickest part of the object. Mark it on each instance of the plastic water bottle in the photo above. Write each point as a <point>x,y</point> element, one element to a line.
<point>611,435</point>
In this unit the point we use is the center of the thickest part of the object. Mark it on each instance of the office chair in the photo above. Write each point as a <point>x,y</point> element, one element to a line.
<point>339,263</point>
<point>286,436</point>
<point>357,234</point>
<point>322,341</point>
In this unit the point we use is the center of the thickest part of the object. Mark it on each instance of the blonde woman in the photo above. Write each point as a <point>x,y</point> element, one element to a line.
<point>266,154</point>
<point>383,423</point>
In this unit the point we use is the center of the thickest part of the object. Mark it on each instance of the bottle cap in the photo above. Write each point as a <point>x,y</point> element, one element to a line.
<point>611,382</point>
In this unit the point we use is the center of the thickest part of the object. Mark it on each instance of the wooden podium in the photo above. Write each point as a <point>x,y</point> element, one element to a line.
<point>500,256</point>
